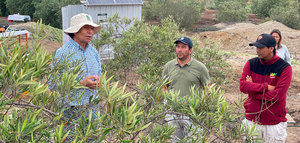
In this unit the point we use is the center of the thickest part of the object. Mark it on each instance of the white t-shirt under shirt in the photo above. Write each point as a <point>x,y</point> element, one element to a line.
<point>284,53</point>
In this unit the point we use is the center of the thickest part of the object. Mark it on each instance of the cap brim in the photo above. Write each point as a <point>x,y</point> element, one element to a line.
<point>75,29</point>
<point>258,45</point>
<point>181,41</point>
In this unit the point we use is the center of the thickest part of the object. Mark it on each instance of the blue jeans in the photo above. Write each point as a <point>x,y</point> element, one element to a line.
<point>72,116</point>
<point>182,123</point>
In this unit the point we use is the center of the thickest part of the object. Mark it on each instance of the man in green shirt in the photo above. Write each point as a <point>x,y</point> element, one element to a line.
<point>184,72</point>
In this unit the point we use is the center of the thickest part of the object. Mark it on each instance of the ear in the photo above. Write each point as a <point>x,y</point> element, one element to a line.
<point>272,49</point>
<point>190,51</point>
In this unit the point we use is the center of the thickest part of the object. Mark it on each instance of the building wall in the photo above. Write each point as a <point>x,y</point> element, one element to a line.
<point>129,11</point>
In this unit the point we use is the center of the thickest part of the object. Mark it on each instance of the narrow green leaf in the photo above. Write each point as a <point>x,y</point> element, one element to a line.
<point>193,111</point>
<point>106,131</point>
<point>24,125</point>
<point>127,141</point>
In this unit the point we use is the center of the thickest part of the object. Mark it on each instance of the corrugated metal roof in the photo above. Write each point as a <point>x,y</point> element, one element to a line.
<point>114,2</point>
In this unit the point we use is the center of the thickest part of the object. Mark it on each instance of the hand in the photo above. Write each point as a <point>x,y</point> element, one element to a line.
<point>249,78</point>
<point>164,88</point>
<point>90,82</point>
<point>271,87</point>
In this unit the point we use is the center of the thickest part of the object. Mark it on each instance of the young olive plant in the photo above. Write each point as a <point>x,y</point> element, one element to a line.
<point>25,96</point>
<point>31,112</point>
<point>142,48</point>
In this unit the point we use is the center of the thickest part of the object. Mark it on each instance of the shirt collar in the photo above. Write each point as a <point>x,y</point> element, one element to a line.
<point>190,62</point>
<point>271,61</point>
<point>187,64</point>
<point>78,46</point>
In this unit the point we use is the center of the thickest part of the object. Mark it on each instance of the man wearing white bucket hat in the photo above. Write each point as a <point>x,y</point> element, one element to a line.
<point>81,30</point>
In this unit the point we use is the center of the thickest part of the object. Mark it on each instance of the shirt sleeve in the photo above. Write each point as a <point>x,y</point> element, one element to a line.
<point>251,87</point>
<point>283,83</point>
<point>165,71</point>
<point>287,56</point>
<point>204,76</point>
<point>99,62</point>
<point>165,74</point>
<point>58,55</point>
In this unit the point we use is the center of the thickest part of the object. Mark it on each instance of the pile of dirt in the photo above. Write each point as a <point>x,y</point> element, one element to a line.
<point>50,46</point>
<point>236,37</point>
<point>27,26</point>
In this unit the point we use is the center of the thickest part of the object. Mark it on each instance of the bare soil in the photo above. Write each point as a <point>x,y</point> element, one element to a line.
<point>235,38</point>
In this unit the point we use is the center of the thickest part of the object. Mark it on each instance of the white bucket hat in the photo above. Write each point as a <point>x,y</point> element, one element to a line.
<point>79,20</point>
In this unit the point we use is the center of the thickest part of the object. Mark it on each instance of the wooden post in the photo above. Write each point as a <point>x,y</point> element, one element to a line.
<point>20,40</point>
<point>26,41</point>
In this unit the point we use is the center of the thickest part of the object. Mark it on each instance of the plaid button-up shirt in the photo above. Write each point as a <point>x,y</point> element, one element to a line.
<point>91,66</point>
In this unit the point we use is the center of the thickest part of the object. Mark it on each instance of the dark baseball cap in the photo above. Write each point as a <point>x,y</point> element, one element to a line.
<point>264,40</point>
<point>185,40</point>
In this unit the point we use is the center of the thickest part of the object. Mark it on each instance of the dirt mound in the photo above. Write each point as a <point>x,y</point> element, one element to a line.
<point>27,25</point>
<point>236,37</point>
<point>49,45</point>
<point>226,26</point>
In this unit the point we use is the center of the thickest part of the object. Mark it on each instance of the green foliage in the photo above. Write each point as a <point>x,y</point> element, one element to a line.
<point>215,61</point>
<point>208,28</point>
<point>209,111</point>
<point>209,4</point>
<point>30,112</point>
<point>263,7</point>
<point>19,71</point>
<point>56,35</point>
<point>16,128</point>
<point>144,48</point>
<point>59,136</point>
<point>112,30</point>
<point>3,8</point>
<point>288,15</point>
<point>284,11</point>
<point>251,134</point>
<point>50,11</point>
<point>206,108</point>
<point>24,7</point>
<point>294,61</point>
<point>43,31</point>
<point>24,77</point>
<point>159,134</point>
<point>22,74</point>
<point>231,11</point>
<point>184,12</point>
<point>121,115</point>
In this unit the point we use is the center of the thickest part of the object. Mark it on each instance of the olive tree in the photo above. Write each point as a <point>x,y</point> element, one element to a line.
<point>30,112</point>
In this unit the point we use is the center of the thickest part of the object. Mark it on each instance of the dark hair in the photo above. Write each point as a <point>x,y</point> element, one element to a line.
<point>279,33</point>
<point>279,41</point>
<point>71,35</point>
